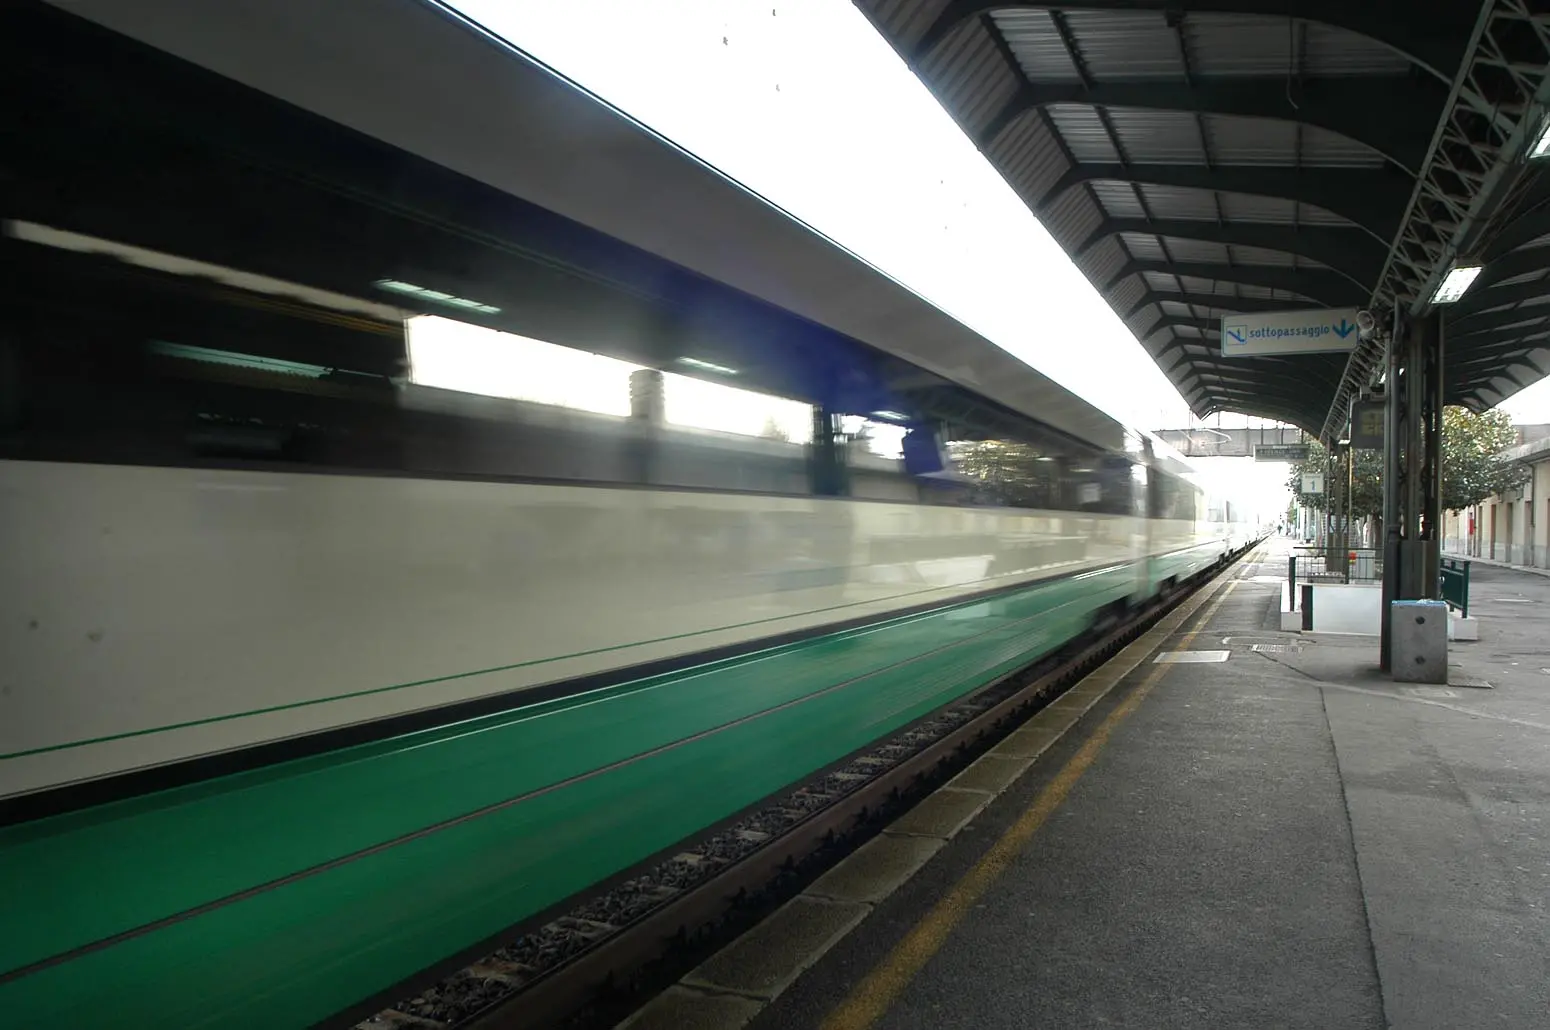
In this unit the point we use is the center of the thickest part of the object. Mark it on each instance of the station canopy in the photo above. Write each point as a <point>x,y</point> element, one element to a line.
<point>1202,158</point>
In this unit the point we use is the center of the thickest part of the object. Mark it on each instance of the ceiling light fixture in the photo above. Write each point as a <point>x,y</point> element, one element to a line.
<point>1455,283</point>
<point>1541,147</point>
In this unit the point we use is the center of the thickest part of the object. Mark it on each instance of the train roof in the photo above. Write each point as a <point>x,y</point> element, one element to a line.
<point>429,83</point>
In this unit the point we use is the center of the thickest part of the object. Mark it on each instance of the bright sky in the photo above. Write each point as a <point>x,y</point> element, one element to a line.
<point>802,101</point>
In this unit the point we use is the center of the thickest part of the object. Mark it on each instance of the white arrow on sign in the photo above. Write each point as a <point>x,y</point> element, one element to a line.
<point>1290,332</point>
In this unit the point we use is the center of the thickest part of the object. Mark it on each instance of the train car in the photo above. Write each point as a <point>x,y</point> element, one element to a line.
<point>289,634</point>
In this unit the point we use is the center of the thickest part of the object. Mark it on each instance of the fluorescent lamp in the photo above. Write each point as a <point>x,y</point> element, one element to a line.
<point>892,416</point>
<point>1455,283</point>
<point>424,293</point>
<point>1541,147</point>
<point>709,366</point>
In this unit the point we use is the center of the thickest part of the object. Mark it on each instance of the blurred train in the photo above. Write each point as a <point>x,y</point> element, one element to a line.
<point>260,582</point>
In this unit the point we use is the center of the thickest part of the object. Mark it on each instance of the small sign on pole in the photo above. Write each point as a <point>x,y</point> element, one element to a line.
<point>1281,452</point>
<point>1313,482</point>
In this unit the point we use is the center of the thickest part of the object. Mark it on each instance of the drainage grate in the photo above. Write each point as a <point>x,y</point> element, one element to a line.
<point>1275,648</point>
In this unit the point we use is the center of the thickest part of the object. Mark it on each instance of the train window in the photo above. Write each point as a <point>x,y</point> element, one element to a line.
<point>452,355</point>
<point>473,359</point>
<point>1050,476</point>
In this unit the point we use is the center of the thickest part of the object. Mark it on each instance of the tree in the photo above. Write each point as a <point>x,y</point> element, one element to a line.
<point>1472,468</point>
<point>1367,488</point>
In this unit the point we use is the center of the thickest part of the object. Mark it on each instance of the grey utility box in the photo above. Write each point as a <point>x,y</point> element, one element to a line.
<point>1419,641</point>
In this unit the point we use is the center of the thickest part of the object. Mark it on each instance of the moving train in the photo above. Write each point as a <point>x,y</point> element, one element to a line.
<point>328,674</point>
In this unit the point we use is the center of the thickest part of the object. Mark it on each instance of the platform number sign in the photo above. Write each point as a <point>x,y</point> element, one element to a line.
<point>1313,482</point>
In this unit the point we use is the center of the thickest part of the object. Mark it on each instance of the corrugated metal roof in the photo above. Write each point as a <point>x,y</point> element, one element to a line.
<point>904,21</point>
<point>1072,217</point>
<point>969,77</point>
<point>1265,293</point>
<point>1202,251</point>
<point>1102,261</point>
<point>1174,202</point>
<point>1084,133</point>
<point>1157,137</point>
<point>1143,248</point>
<point>1029,157</point>
<point>1239,207</point>
<point>1276,258</point>
<point>1274,47</point>
<point>1032,38</point>
<point>1119,46</point>
<point>1195,284</point>
<point>1128,293</point>
<point>1126,44</point>
<point>1119,199</point>
<point>1326,149</point>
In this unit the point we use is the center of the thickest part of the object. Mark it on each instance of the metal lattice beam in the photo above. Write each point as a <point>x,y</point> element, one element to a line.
<point>1473,165</point>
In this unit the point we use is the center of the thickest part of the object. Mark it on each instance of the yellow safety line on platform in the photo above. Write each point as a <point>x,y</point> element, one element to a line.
<point>873,996</point>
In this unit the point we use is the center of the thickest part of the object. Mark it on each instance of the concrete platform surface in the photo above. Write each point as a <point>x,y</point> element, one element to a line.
<point>1283,839</point>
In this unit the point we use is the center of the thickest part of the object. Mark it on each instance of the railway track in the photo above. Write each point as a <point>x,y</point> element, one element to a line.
<point>592,965</point>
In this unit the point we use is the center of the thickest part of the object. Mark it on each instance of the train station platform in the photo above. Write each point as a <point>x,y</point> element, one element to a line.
<point>1266,832</point>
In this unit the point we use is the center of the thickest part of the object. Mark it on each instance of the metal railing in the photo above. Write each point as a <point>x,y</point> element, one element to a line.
<point>1312,564</point>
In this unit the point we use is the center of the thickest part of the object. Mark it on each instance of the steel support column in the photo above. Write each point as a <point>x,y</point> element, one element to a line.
<point>1412,469</point>
<point>1392,465</point>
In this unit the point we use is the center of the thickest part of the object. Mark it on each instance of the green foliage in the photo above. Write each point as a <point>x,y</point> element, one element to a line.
<point>1367,485</point>
<point>1471,468</point>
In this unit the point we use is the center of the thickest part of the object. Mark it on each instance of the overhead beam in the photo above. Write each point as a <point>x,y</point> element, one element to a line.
<point>1434,43</point>
<point>1350,252</point>
<point>1167,321</point>
<point>1510,351</point>
<point>1236,305</point>
<point>1481,300</point>
<point>1372,198</point>
<point>1525,228</point>
<point>1509,266</point>
<point>1393,116</point>
<point>1289,376</point>
<point>1210,400</point>
<point>1323,285</point>
<point>1261,370</point>
<point>1492,321</point>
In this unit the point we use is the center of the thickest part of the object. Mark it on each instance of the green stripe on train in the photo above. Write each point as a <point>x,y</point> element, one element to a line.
<point>299,951</point>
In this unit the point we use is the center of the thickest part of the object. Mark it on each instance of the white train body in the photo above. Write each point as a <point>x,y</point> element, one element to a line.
<point>154,614</point>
